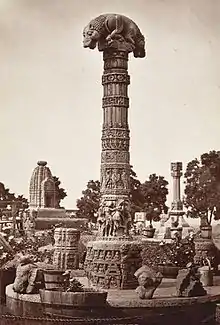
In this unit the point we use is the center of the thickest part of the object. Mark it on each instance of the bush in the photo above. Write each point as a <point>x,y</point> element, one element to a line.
<point>177,253</point>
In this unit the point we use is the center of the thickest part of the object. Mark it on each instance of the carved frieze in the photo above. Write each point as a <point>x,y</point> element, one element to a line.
<point>115,78</point>
<point>115,177</point>
<point>111,156</point>
<point>115,133</point>
<point>115,101</point>
<point>115,144</point>
<point>115,63</point>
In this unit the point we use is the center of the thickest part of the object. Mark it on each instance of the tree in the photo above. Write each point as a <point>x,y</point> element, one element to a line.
<point>88,204</point>
<point>7,198</point>
<point>154,195</point>
<point>202,191</point>
<point>136,193</point>
<point>61,193</point>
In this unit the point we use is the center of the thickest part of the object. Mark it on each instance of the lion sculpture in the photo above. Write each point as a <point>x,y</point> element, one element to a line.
<point>105,29</point>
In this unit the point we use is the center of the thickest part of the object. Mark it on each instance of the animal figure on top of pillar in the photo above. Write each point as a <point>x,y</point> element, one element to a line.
<point>105,29</point>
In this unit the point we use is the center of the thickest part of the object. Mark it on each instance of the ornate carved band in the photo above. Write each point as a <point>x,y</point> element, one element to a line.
<point>115,101</point>
<point>110,156</point>
<point>116,78</point>
<point>176,168</point>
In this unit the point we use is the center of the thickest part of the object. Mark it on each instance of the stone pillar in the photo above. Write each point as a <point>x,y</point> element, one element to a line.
<point>108,258</point>
<point>176,173</point>
<point>177,205</point>
<point>115,162</point>
<point>66,253</point>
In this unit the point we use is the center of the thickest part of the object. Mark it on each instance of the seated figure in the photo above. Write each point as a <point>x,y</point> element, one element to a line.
<point>28,276</point>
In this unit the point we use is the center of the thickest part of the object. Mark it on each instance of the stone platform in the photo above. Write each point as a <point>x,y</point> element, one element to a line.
<point>111,263</point>
<point>125,303</point>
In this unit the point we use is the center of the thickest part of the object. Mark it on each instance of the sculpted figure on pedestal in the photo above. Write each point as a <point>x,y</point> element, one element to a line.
<point>105,29</point>
<point>27,276</point>
<point>114,218</point>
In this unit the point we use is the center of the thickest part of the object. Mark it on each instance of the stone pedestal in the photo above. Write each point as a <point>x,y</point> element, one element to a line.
<point>205,249</point>
<point>111,263</point>
<point>66,254</point>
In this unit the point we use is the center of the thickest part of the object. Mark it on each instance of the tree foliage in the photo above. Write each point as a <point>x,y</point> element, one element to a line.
<point>136,194</point>
<point>7,198</point>
<point>149,197</point>
<point>88,204</point>
<point>202,191</point>
<point>154,195</point>
<point>61,192</point>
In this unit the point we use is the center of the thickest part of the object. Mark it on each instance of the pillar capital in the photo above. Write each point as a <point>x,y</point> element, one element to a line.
<point>114,32</point>
<point>176,169</point>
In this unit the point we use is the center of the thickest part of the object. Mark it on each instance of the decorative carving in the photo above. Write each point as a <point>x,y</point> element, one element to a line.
<point>115,101</point>
<point>114,31</point>
<point>148,281</point>
<point>115,78</point>
<point>115,156</point>
<point>117,267</point>
<point>130,261</point>
<point>42,188</point>
<point>115,132</point>
<point>114,218</point>
<point>176,168</point>
<point>115,178</point>
<point>66,248</point>
<point>115,144</point>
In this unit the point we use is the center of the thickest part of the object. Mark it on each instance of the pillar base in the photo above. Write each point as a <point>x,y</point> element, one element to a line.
<point>205,249</point>
<point>111,263</point>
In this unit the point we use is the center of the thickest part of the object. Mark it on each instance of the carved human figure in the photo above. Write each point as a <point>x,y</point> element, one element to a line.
<point>114,178</point>
<point>108,179</point>
<point>27,276</point>
<point>117,221</point>
<point>101,219</point>
<point>124,179</point>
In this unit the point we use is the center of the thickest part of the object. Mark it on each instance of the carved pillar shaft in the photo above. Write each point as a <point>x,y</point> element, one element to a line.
<point>176,173</point>
<point>115,160</point>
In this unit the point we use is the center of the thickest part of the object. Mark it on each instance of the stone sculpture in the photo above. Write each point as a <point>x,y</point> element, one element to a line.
<point>28,276</point>
<point>148,280</point>
<point>116,36</point>
<point>104,29</point>
<point>42,188</point>
<point>114,218</point>
<point>188,282</point>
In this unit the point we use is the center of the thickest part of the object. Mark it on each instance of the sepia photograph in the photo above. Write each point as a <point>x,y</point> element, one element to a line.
<point>110,162</point>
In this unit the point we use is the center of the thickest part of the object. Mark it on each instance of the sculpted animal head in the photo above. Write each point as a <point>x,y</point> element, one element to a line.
<point>90,36</point>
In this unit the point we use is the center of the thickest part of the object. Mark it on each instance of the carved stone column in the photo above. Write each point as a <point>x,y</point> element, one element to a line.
<point>115,162</point>
<point>66,248</point>
<point>177,205</point>
<point>176,173</point>
<point>108,258</point>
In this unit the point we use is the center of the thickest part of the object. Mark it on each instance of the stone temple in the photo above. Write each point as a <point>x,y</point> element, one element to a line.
<point>112,257</point>
<point>43,198</point>
<point>42,188</point>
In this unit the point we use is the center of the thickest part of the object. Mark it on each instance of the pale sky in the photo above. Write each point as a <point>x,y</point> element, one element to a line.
<point>50,88</point>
